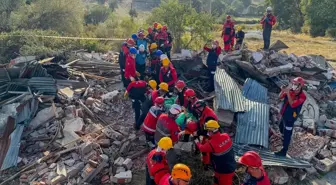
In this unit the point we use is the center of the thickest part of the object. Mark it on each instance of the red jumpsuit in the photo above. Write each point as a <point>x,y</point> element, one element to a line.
<point>207,114</point>
<point>166,127</point>
<point>130,70</point>
<point>149,125</point>
<point>222,157</point>
<point>261,181</point>
<point>157,169</point>
<point>155,94</point>
<point>169,76</point>
<point>227,34</point>
<point>165,180</point>
<point>162,40</point>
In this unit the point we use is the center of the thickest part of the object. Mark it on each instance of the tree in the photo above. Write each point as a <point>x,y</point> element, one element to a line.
<point>6,8</point>
<point>246,3</point>
<point>113,4</point>
<point>63,16</point>
<point>238,7</point>
<point>97,14</point>
<point>180,17</point>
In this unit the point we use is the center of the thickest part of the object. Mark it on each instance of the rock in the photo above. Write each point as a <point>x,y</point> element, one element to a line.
<point>74,170</point>
<point>278,175</point>
<point>86,147</point>
<point>122,177</point>
<point>70,162</point>
<point>75,156</point>
<point>119,161</point>
<point>323,118</point>
<point>42,131</point>
<point>110,96</point>
<point>44,115</point>
<point>332,144</point>
<point>112,134</point>
<point>34,134</point>
<point>118,143</point>
<point>325,165</point>
<point>41,167</point>
<point>92,155</point>
<point>132,137</point>
<point>51,175</point>
<point>70,127</point>
<point>41,144</point>
<point>324,153</point>
<point>331,124</point>
<point>308,123</point>
<point>125,148</point>
<point>333,151</point>
<point>43,171</point>
<point>142,138</point>
<point>58,179</point>
<point>89,101</point>
<point>120,169</point>
<point>61,170</point>
<point>128,163</point>
<point>104,142</point>
<point>184,147</point>
<point>52,165</point>
<point>327,132</point>
<point>311,170</point>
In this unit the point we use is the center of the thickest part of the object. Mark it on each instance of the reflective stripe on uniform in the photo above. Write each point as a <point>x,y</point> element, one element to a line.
<point>162,133</point>
<point>212,72</point>
<point>152,113</point>
<point>289,128</point>
<point>147,128</point>
<point>223,153</point>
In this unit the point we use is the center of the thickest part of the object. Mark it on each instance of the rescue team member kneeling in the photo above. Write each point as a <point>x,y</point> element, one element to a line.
<point>166,125</point>
<point>160,161</point>
<point>180,175</point>
<point>256,174</point>
<point>149,125</point>
<point>221,153</point>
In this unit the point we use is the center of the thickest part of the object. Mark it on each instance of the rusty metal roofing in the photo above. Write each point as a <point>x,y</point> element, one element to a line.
<point>228,93</point>
<point>254,91</point>
<point>5,139</point>
<point>269,159</point>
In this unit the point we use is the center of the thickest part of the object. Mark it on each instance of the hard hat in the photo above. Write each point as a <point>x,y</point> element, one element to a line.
<point>180,84</point>
<point>165,143</point>
<point>251,158</point>
<point>298,80</point>
<point>163,56</point>
<point>134,36</point>
<point>181,171</point>
<point>191,126</point>
<point>164,86</point>
<point>199,104</point>
<point>141,47</point>
<point>175,109</point>
<point>239,28</point>
<point>155,24</point>
<point>141,34</point>
<point>158,53</point>
<point>228,17</point>
<point>132,50</point>
<point>269,9</point>
<point>189,93</point>
<point>152,84</point>
<point>159,100</point>
<point>165,28</point>
<point>211,125</point>
<point>150,29</point>
<point>130,42</point>
<point>159,26</point>
<point>153,46</point>
<point>165,62</point>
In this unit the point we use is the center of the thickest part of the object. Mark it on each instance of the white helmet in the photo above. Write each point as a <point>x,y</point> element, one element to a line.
<point>141,47</point>
<point>175,109</point>
<point>269,9</point>
<point>163,56</point>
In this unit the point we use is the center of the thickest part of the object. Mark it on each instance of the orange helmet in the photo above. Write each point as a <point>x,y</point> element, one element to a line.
<point>251,158</point>
<point>181,171</point>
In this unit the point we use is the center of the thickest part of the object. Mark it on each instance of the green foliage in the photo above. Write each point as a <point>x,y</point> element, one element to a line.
<point>97,14</point>
<point>331,32</point>
<point>246,3</point>
<point>238,6</point>
<point>181,19</point>
<point>113,4</point>
<point>62,16</point>
<point>6,8</point>
<point>133,13</point>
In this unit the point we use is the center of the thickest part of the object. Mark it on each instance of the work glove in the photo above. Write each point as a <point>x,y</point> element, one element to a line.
<point>126,94</point>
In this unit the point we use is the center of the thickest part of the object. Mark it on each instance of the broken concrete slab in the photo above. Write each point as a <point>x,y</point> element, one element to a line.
<point>70,127</point>
<point>122,177</point>
<point>325,165</point>
<point>74,170</point>
<point>324,153</point>
<point>104,142</point>
<point>44,115</point>
<point>70,162</point>
<point>61,170</point>
<point>278,175</point>
<point>331,124</point>
<point>86,147</point>
<point>128,163</point>
<point>103,163</point>
<point>59,179</point>
<point>119,161</point>
<point>327,132</point>
<point>120,169</point>
<point>280,69</point>
<point>125,148</point>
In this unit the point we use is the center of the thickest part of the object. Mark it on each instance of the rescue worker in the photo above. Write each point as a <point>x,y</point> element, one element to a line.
<point>166,125</point>
<point>222,154</point>
<point>293,99</point>
<point>168,74</point>
<point>135,38</point>
<point>150,121</point>
<point>130,69</point>
<point>161,92</point>
<point>150,36</point>
<point>155,62</point>
<point>141,40</point>
<point>180,88</point>
<point>211,62</point>
<point>169,43</point>
<point>240,35</point>
<point>190,99</point>
<point>267,21</point>
<point>204,114</point>
<point>180,175</point>
<point>122,58</point>
<point>160,161</point>
<point>141,61</point>
<point>227,33</point>
<point>256,175</point>
<point>161,38</point>
<point>190,128</point>
<point>155,27</point>
<point>136,90</point>
<point>153,85</point>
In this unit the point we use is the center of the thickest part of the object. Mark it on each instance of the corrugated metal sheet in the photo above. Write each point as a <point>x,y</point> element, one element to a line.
<point>228,94</point>
<point>269,159</point>
<point>5,139</point>
<point>254,91</point>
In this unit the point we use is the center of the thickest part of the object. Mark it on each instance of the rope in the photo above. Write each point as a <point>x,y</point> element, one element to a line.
<point>64,37</point>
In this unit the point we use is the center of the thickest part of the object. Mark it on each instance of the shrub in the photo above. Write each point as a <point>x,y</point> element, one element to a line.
<point>331,32</point>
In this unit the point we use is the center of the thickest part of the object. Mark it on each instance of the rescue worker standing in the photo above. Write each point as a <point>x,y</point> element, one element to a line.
<point>267,21</point>
<point>136,90</point>
<point>140,60</point>
<point>160,161</point>
<point>141,40</point>
<point>180,175</point>
<point>149,125</point>
<point>168,74</point>
<point>256,175</point>
<point>150,36</point>
<point>169,43</point>
<point>155,62</point>
<point>240,35</point>
<point>293,99</point>
<point>222,154</point>
<point>161,38</point>
<point>166,125</point>
<point>211,62</point>
<point>180,88</point>
<point>122,58</point>
<point>130,69</point>
<point>227,33</point>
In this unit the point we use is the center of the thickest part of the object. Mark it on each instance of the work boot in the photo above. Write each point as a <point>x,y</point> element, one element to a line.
<point>136,127</point>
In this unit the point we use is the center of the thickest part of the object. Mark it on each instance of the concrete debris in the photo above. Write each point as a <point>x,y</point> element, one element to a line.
<point>128,163</point>
<point>278,175</point>
<point>324,165</point>
<point>122,177</point>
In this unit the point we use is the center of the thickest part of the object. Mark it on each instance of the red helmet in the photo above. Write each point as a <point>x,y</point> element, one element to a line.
<point>191,126</point>
<point>130,42</point>
<point>189,93</point>
<point>150,29</point>
<point>251,158</point>
<point>155,24</point>
<point>164,28</point>
<point>180,84</point>
<point>298,80</point>
<point>159,100</point>
<point>141,34</point>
